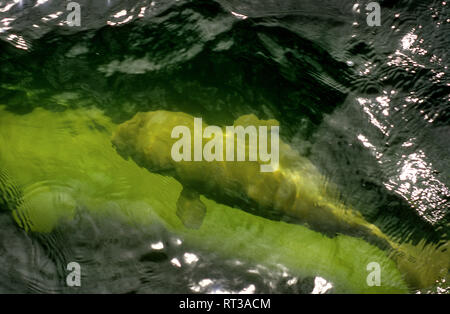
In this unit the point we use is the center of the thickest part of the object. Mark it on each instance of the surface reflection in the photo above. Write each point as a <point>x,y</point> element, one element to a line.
<point>416,182</point>
<point>321,286</point>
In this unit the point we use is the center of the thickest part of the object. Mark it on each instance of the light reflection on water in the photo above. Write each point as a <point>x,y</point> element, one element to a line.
<point>414,177</point>
<point>321,286</point>
<point>418,185</point>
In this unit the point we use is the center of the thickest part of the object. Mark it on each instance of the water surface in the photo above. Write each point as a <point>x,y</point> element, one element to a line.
<point>369,106</point>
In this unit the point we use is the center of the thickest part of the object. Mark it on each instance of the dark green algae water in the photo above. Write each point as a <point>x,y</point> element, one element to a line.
<point>369,106</point>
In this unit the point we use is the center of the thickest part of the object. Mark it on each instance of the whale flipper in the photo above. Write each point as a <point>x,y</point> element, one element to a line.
<point>190,209</point>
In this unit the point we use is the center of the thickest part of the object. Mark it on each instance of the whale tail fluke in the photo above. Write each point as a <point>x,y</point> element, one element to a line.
<point>424,264</point>
<point>190,209</point>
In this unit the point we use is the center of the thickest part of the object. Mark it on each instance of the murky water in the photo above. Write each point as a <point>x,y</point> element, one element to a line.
<point>367,106</point>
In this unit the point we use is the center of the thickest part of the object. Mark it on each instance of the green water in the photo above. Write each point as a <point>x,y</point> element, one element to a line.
<point>366,106</point>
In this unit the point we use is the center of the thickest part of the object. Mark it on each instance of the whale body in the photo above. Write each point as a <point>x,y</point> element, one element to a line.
<point>295,192</point>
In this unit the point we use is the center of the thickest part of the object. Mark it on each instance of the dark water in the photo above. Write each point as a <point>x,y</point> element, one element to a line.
<point>369,106</point>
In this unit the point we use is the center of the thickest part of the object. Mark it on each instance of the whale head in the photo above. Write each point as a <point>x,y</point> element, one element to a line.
<point>146,138</point>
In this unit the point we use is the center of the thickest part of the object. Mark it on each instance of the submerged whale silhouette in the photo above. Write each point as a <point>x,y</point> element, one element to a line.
<point>295,192</point>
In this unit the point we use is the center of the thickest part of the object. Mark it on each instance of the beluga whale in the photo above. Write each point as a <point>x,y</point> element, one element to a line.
<point>262,175</point>
<point>232,170</point>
